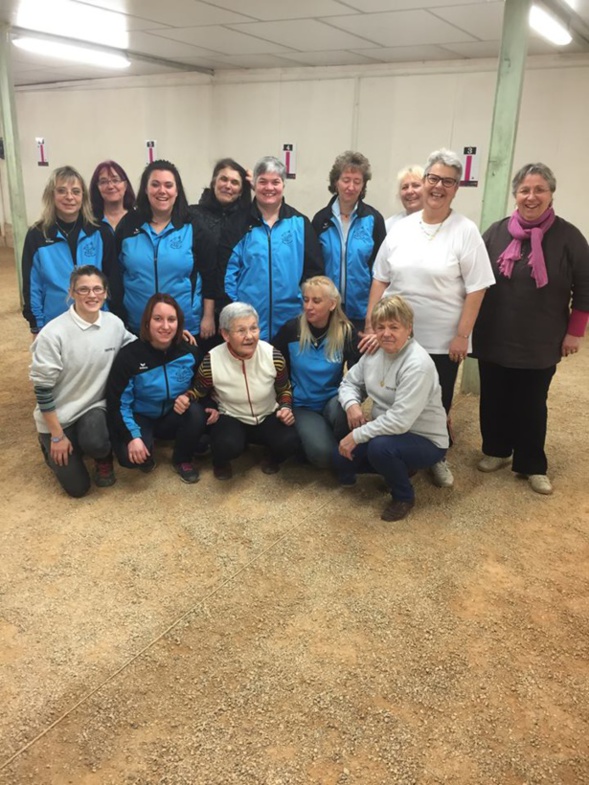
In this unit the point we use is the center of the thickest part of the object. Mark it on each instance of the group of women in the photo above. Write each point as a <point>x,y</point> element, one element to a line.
<point>244,279</point>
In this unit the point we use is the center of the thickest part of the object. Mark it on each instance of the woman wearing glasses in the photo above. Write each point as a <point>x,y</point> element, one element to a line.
<point>72,357</point>
<point>111,193</point>
<point>248,381</point>
<point>436,259</point>
<point>535,314</point>
<point>66,235</point>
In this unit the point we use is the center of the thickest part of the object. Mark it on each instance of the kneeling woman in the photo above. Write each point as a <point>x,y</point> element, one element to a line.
<point>72,357</point>
<point>249,382</point>
<point>145,383</point>
<point>316,345</point>
<point>408,427</point>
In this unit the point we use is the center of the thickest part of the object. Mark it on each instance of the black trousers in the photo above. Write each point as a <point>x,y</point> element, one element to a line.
<point>447,373</point>
<point>184,429</point>
<point>230,436</point>
<point>514,414</point>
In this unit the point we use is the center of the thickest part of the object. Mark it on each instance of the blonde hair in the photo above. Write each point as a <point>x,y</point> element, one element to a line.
<point>414,169</point>
<point>48,217</point>
<point>392,309</point>
<point>339,328</point>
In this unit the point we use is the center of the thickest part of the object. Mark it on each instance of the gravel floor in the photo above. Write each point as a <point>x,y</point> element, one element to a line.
<point>273,631</point>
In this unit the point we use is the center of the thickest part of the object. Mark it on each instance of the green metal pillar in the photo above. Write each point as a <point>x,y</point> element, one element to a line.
<point>12,152</point>
<point>508,92</point>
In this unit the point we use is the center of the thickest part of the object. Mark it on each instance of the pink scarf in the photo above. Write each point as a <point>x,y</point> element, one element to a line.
<point>527,230</point>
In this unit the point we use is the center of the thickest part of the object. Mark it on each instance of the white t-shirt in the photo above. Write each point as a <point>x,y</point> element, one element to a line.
<point>390,222</point>
<point>434,267</point>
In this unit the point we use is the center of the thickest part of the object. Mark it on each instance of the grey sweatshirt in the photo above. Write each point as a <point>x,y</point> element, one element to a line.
<point>406,394</point>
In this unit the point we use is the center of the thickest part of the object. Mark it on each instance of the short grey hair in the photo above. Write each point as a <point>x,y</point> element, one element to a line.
<point>270,164</point>
<point>236,311</point>
<point>541,169</point>
<point>446,158</point>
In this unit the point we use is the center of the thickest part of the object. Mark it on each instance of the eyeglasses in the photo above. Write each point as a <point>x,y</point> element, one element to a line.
<point>109,181</point>
<point>62,191</point>
<point>84,290</point>
<point>243,331</point>
<point>447,182</point>
<point>526,191</point>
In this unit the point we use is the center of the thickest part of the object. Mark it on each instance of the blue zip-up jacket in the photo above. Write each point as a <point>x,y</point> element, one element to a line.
<point>176,261</point>
<point>365,236</point>
<point>315,378</point>
<point>268,264</point>
<point>48,262</point>
<point>145,380</point>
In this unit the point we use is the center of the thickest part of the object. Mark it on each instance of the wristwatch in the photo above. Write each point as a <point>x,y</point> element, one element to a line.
<point>57,439</point>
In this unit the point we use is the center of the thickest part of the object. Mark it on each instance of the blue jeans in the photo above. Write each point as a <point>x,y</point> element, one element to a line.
<point>320,432</point>
<point>392,457</point>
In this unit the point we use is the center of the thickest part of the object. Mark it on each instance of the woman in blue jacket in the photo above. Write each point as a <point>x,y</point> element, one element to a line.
<point>65,237</point>
<point>145,381</point>
<point>316,345</point>
<point>271,250</point>
<point>160,251</point>
<point>350,233</point>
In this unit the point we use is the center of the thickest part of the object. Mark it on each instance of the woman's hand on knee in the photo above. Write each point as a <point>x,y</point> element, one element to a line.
<point>285,416</point>
<point>212,416</point>
<point>182,404</point>
<point>60,451</point>
<point>137,451</point>
<point>355,416</point>
<point>347,446</point>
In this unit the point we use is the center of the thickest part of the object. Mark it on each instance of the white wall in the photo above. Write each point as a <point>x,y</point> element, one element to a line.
<point>393,114</point>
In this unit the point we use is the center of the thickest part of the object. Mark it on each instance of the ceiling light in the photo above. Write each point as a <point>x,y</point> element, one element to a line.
<point>548,27</point>
<point>78,54</point>
<point>74,20</point>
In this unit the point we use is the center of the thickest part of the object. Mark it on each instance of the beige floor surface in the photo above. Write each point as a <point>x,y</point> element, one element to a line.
<point>273,631</point>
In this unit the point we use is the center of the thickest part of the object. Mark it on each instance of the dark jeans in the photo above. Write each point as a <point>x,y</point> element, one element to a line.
<point>89,436</point>
<point>514,414</point>
<point>184,430</point>
<point>392,457</point>
<point>320,432</point>
<point>230,436</point>
<point>447,373</point>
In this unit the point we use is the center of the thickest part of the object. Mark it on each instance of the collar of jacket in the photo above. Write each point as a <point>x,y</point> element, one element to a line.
<point>88,230</point>
<point>286,211</point>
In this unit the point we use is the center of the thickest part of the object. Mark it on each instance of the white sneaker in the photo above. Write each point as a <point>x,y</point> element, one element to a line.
<point>540,483</point>
<point>489,463</point>
<point>441,475</point>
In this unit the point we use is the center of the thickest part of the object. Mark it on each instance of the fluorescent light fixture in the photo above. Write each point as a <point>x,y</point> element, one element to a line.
<point>74,20</point>
<point>548,27</point>
<point>72,52</point>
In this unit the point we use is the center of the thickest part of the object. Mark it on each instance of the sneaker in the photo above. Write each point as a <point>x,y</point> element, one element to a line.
<point>104,473</point>
<point>147,466</point>
<point>269,465</point>
<point>396,510</point>
<point>223,472</point>
<point>489,463</point>
<point>347,480</point>
<point>187,472</point>
<point>540,483</point>
<point>441,474</point>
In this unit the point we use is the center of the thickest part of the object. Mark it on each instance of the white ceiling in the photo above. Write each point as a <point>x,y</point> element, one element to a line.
<point>222,34</point>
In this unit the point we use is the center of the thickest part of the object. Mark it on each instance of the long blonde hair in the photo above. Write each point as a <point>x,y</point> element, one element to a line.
<point>339,328</point>
<point>48,217</point>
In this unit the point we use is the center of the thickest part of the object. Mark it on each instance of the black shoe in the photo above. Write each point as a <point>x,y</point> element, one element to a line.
<point>147,466</point>
<point>396,511</point>
<point>187,472</point>
<point>269,465</point>
<point>223,472</point>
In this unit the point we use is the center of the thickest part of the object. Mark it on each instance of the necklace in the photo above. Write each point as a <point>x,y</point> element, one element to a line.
<point>430,235</point>
<point>63,230</point>
<point>388,370</point>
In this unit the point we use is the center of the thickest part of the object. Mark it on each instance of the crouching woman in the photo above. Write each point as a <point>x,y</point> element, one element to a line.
<point>72,358</point>
<point>145,383</point>
<point>408,429</point>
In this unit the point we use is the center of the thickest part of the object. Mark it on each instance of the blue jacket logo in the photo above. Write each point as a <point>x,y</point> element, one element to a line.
<point>287,238</point>
<point>89,250</point>
<point>176,243</point>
